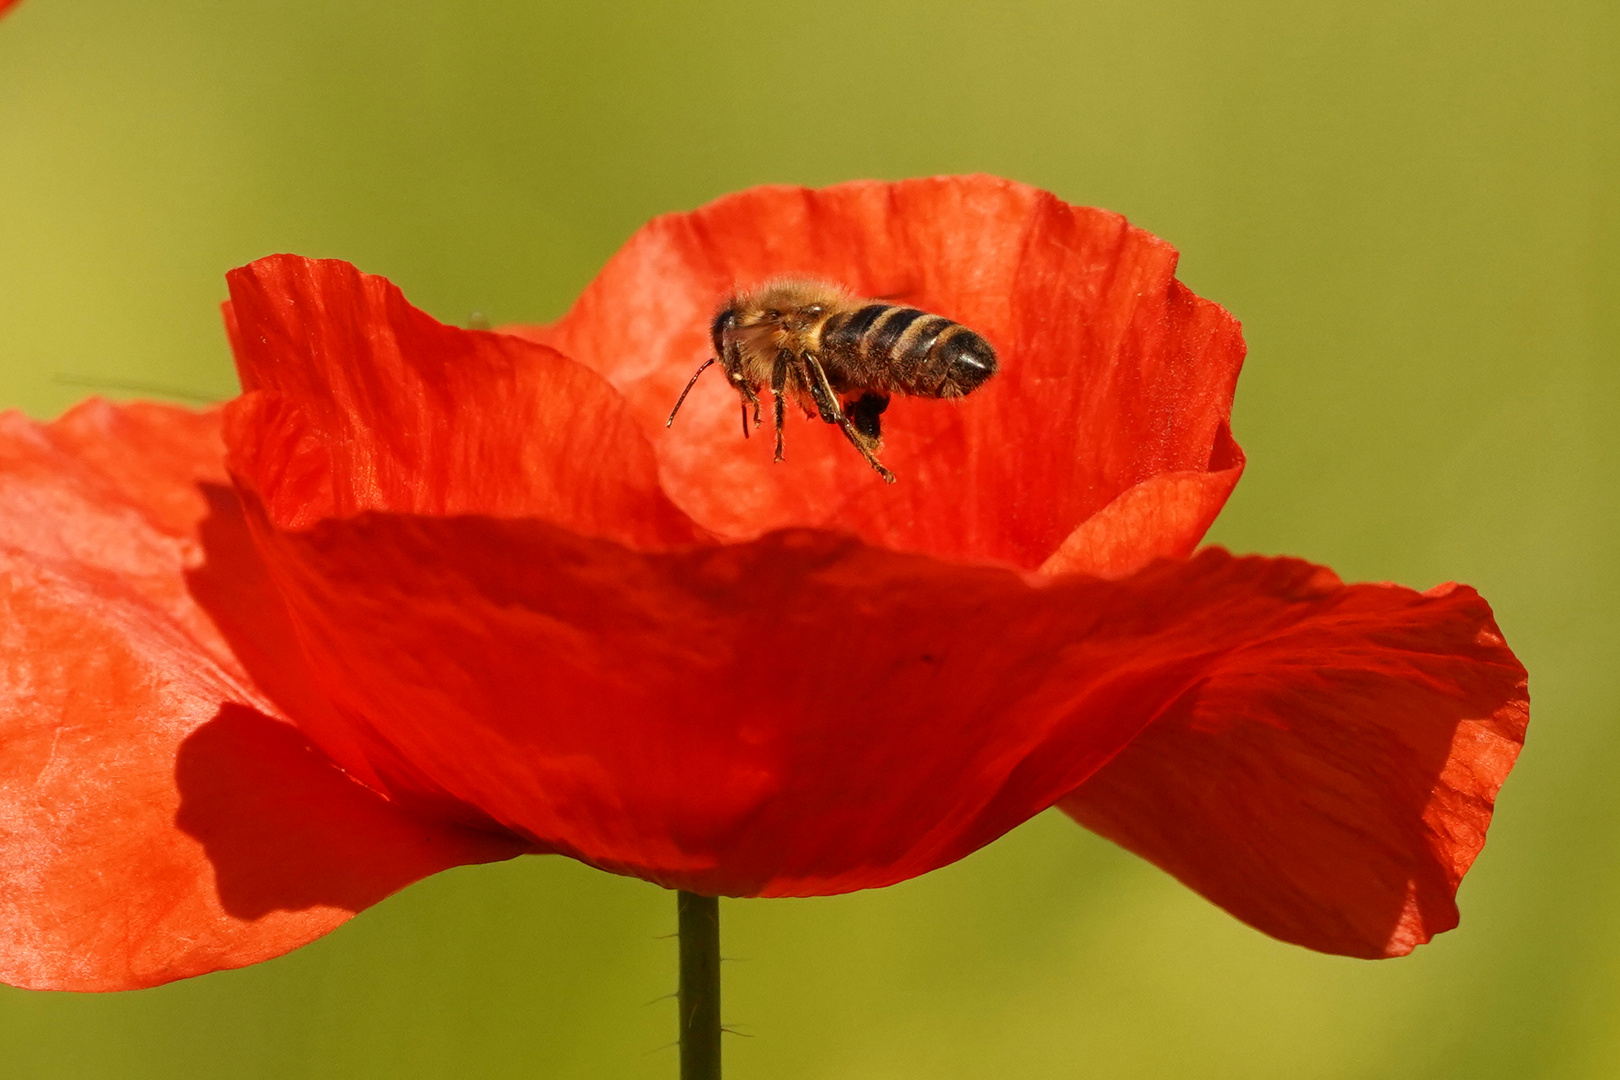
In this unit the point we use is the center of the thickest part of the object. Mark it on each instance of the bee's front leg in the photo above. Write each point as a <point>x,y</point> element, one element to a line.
<point>779,371</point>
<point>732,361</point>
<point>750,400</point>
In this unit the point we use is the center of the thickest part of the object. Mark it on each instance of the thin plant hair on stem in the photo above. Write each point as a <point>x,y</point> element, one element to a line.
<point>699,994</point>
<point>98,383</point>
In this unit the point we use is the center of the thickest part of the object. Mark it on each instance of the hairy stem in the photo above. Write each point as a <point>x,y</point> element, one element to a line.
<point>699,995</point>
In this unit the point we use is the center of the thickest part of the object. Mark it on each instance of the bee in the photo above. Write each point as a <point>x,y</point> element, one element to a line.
<point>840,356</point>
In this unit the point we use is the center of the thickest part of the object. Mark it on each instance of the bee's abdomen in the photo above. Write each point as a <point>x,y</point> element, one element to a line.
<point>890,347</point>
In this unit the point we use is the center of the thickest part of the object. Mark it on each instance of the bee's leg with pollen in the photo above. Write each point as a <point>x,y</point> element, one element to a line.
<point>866,413</point>
<point>779,372</point>
<point>821,388</point>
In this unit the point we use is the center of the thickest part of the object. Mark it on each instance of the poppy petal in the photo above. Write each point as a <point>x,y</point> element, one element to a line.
<point>358,401</point>
<point>1331,782</point>
<point>1160,518</point>
<point>157,818</point>
<point>807,714</point>
<point>1112,373</point>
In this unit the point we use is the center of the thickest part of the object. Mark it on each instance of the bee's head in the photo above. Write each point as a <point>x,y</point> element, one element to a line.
<point>725,320</point>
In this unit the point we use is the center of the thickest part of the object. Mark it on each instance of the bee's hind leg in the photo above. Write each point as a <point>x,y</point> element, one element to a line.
<point>827,402</point>
<point>866,413</point>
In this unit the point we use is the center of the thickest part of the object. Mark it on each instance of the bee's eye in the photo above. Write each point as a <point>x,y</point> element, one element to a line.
<point>772,313</point>
<point>813,309</point>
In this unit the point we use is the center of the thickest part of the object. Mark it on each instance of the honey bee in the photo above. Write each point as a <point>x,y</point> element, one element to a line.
<point>840,356</point>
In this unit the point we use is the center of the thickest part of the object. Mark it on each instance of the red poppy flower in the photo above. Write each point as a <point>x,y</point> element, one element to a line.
<point>7,5</point>
<point>424,596</point>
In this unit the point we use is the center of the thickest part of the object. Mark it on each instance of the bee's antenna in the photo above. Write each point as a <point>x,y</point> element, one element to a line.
<point>689,384</point>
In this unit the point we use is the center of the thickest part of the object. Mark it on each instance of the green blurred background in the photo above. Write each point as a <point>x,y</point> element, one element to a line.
<point>1412,207</point>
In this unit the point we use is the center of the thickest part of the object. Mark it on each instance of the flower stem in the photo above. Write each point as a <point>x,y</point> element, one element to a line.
<point>699,997</point>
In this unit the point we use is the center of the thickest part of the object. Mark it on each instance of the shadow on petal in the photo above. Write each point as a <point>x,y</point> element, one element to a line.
<point>285,830</point>
<point>235,588</point>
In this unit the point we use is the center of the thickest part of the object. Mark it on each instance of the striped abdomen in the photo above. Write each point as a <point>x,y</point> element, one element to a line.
<point>894,349</point>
